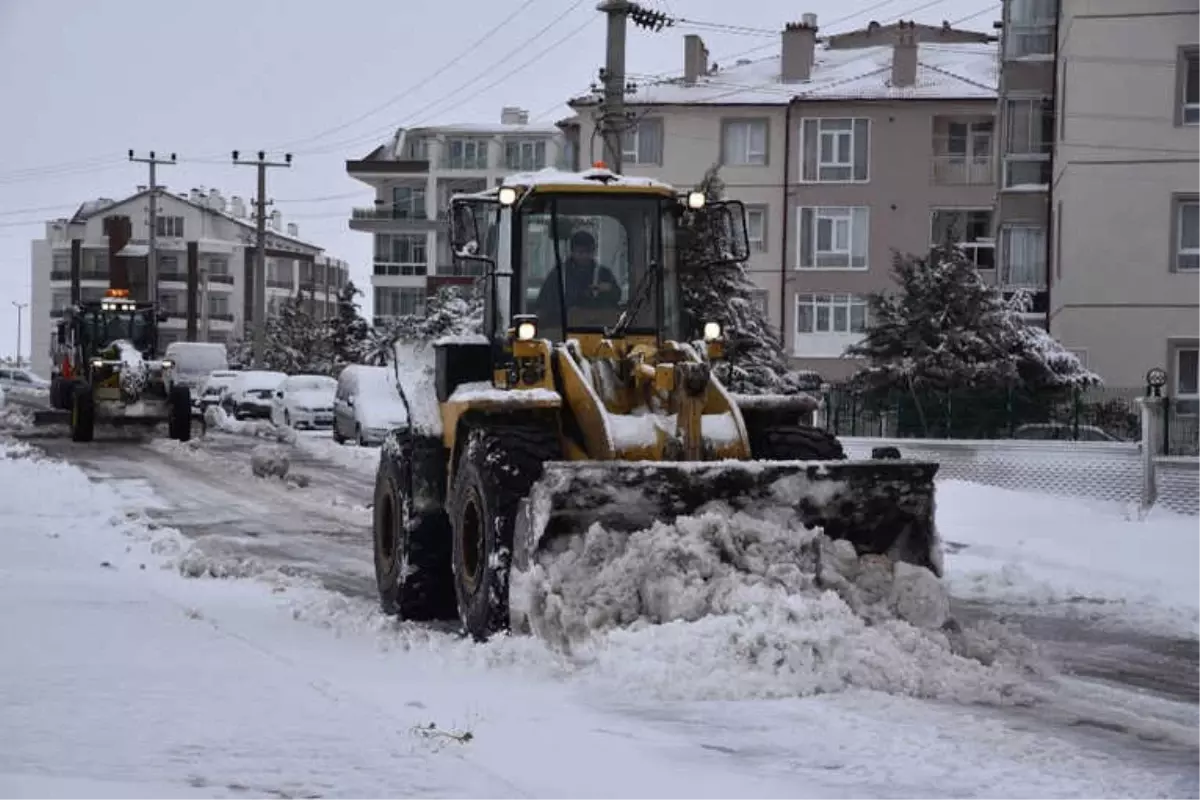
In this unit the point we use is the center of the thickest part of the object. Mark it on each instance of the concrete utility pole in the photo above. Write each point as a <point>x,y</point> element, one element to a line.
<point>612,110</point>
<point>152,250</point>
<point>19,307</point>
<point>260,260</point>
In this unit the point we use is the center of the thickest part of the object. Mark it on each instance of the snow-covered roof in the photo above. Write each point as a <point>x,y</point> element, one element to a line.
<point>486,128</point>
<point>945,71</point>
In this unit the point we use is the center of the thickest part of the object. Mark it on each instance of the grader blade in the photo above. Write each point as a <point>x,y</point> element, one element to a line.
<point>881,507</point>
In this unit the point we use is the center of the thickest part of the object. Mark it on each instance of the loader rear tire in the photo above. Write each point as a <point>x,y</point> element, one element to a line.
<point>497,467</point>
<point>796,443</point>
<point>412,549</point>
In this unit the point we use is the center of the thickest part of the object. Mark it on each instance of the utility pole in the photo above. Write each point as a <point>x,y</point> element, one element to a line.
<point>152,249</point>
<point>19,307</point>
<point>260,259</point>
<point>613,120</point>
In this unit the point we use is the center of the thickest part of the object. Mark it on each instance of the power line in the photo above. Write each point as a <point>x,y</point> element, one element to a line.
<point>417,115</point>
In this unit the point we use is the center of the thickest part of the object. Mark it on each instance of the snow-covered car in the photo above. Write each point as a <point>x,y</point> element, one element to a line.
<point>208,393</point>
<point>367,405</point>
<point>250,394</point>
<point>21,380</point>
<point>194,362</point>
<point>304,401</point>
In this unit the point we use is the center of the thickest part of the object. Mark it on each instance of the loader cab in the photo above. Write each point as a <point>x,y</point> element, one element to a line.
<point>589,255</point>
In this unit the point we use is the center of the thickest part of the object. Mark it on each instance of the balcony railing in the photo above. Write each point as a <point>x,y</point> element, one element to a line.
<point>975,170</point>
<point>220,278</point>
<point>388,213</point>
<point>280,283</point>
<point>1026,169</point>
<point>394,268</point>
<point>467,269</point>
<point>89,275</point>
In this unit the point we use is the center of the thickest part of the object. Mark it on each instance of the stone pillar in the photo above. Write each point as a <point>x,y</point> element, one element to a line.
<point>1152,412</point>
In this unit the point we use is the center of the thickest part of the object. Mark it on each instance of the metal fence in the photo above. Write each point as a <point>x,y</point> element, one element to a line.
<point>1094,415</point>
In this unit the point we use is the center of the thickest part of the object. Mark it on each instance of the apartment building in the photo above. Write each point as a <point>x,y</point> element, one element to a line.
<point>203,240</point>
<point>1125,254</point>
<point>843,148</point>
<point>414,175</point>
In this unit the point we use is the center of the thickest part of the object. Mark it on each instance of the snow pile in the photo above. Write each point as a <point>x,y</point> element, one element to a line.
<point>1074,557</point>
<point>270,462</point>
<point>14,417</point>
<point>215,417</point>
<point>731,606</point>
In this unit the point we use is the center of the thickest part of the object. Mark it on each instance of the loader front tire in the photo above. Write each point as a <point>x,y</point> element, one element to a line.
<point>796,443</point>
<point>412,548</point>
<point>497,467</point>
<point>83,414</point>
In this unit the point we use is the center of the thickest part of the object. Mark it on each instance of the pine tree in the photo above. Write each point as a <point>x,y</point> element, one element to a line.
<point>946,334</point>
<point>755,362</point>
<point>451,311</point>
<point>347,330</point>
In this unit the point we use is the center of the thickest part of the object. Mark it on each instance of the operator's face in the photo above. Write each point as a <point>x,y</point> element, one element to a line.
<point>583,254</point>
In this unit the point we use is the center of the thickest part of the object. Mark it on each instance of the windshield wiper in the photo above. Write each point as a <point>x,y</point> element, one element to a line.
<point>640,295</point>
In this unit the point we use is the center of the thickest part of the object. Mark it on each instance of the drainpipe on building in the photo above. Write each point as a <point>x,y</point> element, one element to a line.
<point>783,245</point>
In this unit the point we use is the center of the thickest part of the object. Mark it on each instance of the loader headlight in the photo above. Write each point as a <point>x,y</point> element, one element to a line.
<point>712,331</point>
<point>696,200</point>
<point>526,327</point>
<point>507,195</point>
<point>97,363</point>
<point>168,363</point>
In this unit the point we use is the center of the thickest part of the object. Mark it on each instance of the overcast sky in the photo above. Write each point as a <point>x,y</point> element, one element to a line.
<point>82,82</point>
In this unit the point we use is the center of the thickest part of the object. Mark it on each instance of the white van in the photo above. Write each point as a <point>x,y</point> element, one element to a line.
<point>367,405</point>
<point>195,361</point>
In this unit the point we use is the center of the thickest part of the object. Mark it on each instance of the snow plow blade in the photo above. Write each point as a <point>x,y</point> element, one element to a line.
<point>881,507</point>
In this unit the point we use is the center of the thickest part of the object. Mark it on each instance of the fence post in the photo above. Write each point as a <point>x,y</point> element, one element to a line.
<point>1152,417</point>
<point>821,417</point>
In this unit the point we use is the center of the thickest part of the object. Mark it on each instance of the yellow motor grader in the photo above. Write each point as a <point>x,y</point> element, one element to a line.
<point>583,402</point>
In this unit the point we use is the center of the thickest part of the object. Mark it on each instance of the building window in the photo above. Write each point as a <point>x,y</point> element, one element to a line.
<point>835,150</point>
<point>1187,388</point>
<point>1187,238</point>
<point>59,300</point>
<point>399,301</point>
<point>218,305</point>
<point>830,313</point>
<point>1189,87</point>
<point>525,156</point>
<point>466,154</point>
<point>744,142</point>
<point>970,229</point>
<point>169,227</point>
<point>217,265</point>
<point>1028,141</point>
<point>400,254</point>
<point>1023,257</point>
<point>408,202</point>
<point>756,228</point>
<point>1030,28</point>
<point>416,148</point>
<point>643,143</point>
<point>834,237</point>
<point>761,298</point>
<point>60,264</point>
<point>963,154</point>
<point>168,268</point>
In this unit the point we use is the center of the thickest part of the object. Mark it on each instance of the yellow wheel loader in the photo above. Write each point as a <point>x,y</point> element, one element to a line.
<point>583,403</point>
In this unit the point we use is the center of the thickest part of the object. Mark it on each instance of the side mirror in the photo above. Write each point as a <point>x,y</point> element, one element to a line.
<point>468,229</point>
<point>728,241</point>
<point>279,395</point>
<point>350,401</point>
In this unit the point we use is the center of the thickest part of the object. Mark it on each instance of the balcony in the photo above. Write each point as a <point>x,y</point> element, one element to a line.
<point>221,278</point>
<point>280,283</point>
<point>90,275</point>
<point>963,170</point>
<point>393,268</point>
<point>384,167</point>
<point>385,217</point>
<point>1027,171</point>
<point>172,277</point>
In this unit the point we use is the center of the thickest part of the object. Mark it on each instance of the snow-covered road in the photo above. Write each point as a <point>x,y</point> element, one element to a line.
<point>271,687</point>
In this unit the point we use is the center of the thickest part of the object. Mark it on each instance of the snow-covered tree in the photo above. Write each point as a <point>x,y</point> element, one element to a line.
<point>347,330</point>
<point>451,311</point>
<point>296,341</point>
<point>945,335</point>
<point>755,362</point>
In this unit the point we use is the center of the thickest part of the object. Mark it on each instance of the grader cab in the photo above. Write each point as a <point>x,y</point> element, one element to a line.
<point>584,402</point>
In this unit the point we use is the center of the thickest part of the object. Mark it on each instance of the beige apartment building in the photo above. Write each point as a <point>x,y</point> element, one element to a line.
<point>843,148</point>
<point>1125,266</point>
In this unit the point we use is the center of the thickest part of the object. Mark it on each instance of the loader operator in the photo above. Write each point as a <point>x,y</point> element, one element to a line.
<point>589,284</point>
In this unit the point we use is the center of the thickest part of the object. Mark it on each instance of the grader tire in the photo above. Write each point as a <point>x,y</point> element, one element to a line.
<point>497,467</point>
<point>83,414</point>
<point>179,414</point>
<point>796,443</point>
<point>412,549</point>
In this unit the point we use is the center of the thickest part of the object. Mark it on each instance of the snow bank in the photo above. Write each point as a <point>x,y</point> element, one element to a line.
<point>733,606</point>
<point>1071,556</point>
<point>215,417</point>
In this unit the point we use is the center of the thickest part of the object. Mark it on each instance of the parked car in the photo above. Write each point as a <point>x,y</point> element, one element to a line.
<point>250,393</point>
<point>367,405</point>
<point>23,380</point>
<point>208,393</point>
<point>304,401</point>
<point>194,362</point>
